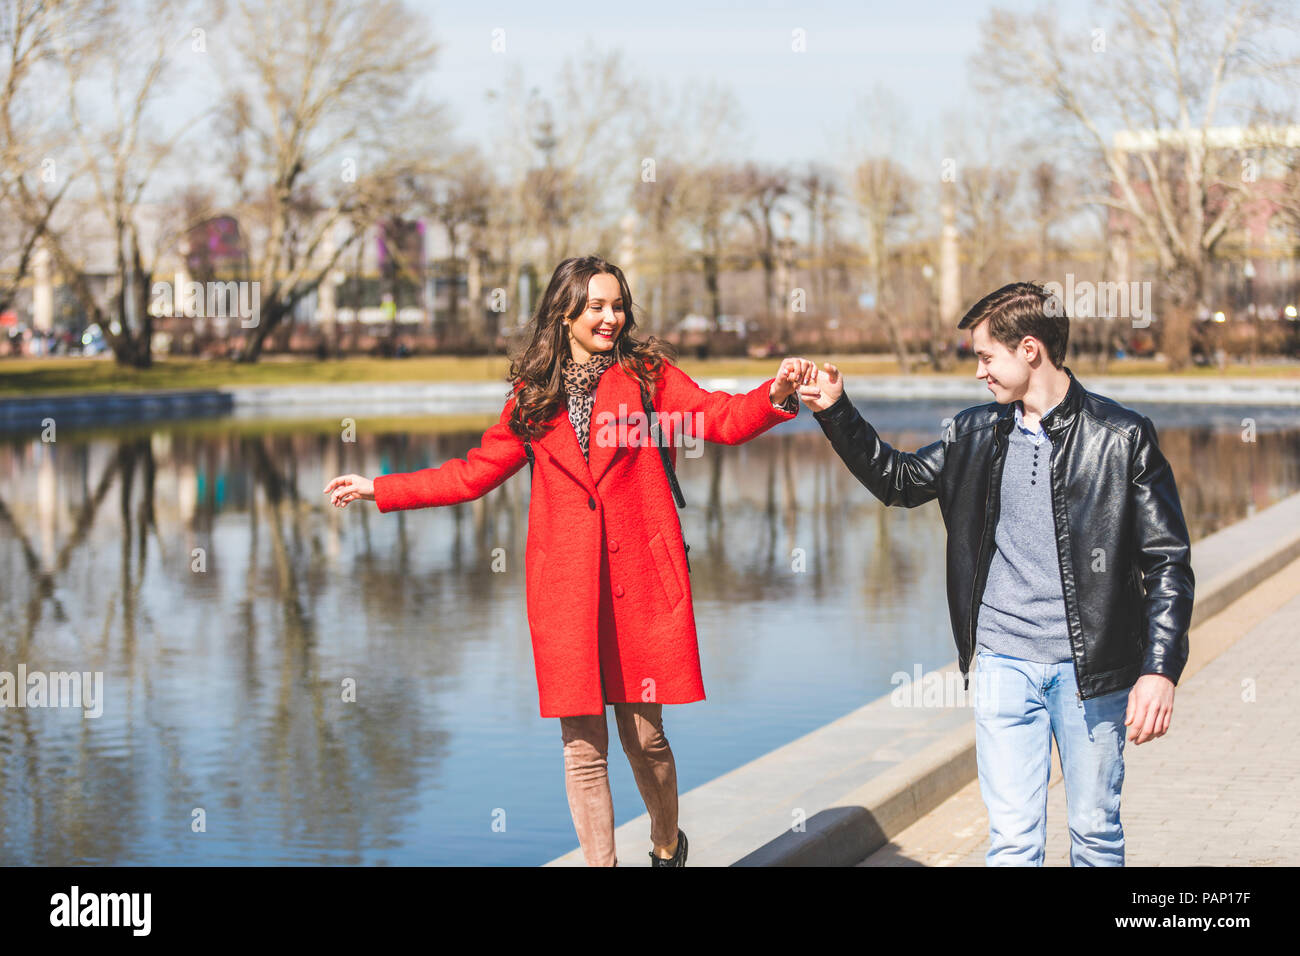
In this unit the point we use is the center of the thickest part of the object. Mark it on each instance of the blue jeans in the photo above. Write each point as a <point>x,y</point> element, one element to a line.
<point>1019,706</point>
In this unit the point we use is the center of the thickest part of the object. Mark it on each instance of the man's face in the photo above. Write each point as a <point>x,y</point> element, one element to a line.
<point>1006,372</point>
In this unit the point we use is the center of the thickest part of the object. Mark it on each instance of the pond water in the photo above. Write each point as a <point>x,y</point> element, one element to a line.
<point>230,609</point>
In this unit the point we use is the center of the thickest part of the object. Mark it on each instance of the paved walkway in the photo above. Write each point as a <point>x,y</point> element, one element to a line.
<point>1221,788</point>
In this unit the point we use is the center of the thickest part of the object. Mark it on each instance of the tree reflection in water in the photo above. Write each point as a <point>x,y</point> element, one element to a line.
<point>225,687</point>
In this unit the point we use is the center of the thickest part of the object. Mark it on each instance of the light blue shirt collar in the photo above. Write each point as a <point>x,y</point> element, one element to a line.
<point>1036,432</point>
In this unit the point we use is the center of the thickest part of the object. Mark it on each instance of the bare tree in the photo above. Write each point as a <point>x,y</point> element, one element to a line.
<point>454,191</point>
<point>762,191</point>
<point>123,150</point>
<point>118,148</point>
<point>462,208</point>
<point>708,207</point>
<point>1164,73</point>
<point>661,204</point>
<point>817,189</point>
<point>35,172</point>
<point>1045,185</point>
<point>569,179</point>
<point>985,194</point>
<point>881,189</point>
<point>682,142</point>
<point>31,185</point>
<point>317,121</point>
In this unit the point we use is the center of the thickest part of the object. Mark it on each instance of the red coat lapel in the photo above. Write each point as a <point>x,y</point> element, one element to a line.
<point>616,387</point>
<point>561,442</point>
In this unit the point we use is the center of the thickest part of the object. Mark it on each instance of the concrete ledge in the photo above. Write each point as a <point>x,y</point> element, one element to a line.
<point>872,813</point>
<point>28,412</point>
<point>481,396</point>
<point>435,398</point>
<point>732,816</point>
<point>895,764</point>
<point>1130,390</point>
<point>1232,561</point>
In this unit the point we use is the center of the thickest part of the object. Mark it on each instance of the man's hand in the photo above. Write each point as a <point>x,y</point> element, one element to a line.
<point>825,391</point>
<point>793,372</point>
<point>1150,706</point>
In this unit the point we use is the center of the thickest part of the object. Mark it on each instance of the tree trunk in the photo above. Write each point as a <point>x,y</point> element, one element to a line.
<point>269,319</point>
<point>895,339</point>
<point>1175,337</point>
<point>710,264</point>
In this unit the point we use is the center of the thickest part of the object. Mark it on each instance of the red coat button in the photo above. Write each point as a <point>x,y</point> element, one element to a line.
<point>613,545</point>
<point>618,590</point>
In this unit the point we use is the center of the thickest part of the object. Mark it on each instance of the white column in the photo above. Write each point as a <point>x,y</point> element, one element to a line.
<point>43,292</point>
<point>326,311</point>
<point>627,253</point>
<point>949,266</point>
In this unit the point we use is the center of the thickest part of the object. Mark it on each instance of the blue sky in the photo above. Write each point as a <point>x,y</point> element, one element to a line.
<point>795,105</point>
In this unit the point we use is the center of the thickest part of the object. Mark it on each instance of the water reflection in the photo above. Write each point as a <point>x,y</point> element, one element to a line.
<point>286,682</point>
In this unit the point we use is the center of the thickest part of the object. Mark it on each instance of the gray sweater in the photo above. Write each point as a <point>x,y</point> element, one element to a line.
<point>1022,613</point>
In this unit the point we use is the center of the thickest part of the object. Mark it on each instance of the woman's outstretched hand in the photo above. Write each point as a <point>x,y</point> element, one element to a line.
<point>825,391</point>
<point>346,488</point>
<point>792,373</point>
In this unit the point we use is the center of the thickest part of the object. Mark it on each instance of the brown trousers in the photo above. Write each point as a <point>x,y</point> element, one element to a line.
<point>586,776</point>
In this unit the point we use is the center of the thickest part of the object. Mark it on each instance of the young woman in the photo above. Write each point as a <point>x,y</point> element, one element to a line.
<point>607,579</point>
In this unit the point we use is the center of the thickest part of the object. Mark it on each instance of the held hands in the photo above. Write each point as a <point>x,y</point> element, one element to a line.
<point>819,389</point>
<point>792,373</point>
<point>347,488</point>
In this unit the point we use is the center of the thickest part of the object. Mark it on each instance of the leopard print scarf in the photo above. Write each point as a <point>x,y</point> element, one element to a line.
<point>580,380</point>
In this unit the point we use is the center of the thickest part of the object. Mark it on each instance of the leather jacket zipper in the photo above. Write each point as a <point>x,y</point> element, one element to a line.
<point>979,554</point>
<point>1051,477</point>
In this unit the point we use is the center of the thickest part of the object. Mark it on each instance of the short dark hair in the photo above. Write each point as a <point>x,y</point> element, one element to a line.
<point>1020,309</point>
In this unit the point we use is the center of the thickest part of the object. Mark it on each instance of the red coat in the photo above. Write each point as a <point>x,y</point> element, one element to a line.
<point>608,592</point>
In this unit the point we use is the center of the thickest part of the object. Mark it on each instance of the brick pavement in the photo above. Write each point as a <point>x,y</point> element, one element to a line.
<point>1219,789</point>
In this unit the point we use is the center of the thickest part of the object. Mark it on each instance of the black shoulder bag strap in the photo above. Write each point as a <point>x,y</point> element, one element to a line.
<point>655,432</point>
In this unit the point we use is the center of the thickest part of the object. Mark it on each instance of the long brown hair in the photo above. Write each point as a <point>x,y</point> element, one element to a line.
<point>537,366</point>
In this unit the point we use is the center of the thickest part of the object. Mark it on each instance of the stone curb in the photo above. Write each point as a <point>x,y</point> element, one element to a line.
<point>488,397</point>
<point>1227,564</point>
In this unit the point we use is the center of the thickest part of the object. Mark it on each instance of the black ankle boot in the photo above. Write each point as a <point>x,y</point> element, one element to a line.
<point>677,859</point>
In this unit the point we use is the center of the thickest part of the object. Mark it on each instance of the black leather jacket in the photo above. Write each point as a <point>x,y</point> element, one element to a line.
<point>1120,535</point>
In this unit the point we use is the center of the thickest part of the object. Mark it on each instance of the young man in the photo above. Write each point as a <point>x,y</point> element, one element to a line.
<point>1069,575</point>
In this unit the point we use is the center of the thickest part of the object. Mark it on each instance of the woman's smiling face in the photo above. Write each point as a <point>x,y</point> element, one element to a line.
<point>598,326</point>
